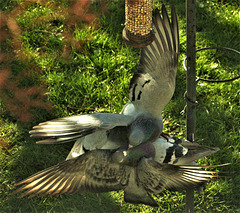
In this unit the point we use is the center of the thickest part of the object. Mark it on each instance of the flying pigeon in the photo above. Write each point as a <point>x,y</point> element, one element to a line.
<point>146,169</point>
<point>151,88</point>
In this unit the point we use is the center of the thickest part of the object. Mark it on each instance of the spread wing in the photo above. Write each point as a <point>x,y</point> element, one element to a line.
<point>91,172</point>
<point>66,129</point>
<point>152,87</point>
<point>95,171</point>
<point>156,177</point>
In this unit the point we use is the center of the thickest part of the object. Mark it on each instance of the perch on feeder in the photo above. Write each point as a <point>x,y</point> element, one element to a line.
<point>138,30</point>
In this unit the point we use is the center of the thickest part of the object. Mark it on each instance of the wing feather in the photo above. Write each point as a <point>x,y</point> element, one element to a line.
<point>91,172</point>
<point>156,177</point>
<point>157,66</point>
<point>70,128</point>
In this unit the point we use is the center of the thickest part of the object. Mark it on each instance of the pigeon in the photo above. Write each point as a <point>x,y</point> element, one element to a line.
<point>139,171</point>
<point>173,150</point>
<point>151,88</point>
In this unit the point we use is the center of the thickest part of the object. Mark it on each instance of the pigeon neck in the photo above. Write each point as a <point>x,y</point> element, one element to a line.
<point>132,156</point>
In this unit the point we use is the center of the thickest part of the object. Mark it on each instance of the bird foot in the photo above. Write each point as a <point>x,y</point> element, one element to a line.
<point>165,135</point>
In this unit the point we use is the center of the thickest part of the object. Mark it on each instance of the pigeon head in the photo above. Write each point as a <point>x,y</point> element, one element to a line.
<point>144,128</point>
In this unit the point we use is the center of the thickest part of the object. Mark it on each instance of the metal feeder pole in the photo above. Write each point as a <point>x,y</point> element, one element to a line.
<point>191,86</point>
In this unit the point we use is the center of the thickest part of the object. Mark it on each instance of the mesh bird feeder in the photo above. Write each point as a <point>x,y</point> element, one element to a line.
<point>138,23</point>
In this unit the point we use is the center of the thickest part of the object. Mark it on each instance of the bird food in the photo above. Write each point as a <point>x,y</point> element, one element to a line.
<point>138,23</point>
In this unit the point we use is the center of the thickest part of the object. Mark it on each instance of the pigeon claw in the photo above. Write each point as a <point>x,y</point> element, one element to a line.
<point>165,135</point>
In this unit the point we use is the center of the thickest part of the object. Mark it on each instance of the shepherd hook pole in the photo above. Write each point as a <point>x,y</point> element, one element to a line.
<point>191,86</point>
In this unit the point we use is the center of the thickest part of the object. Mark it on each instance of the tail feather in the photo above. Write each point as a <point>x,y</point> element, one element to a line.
<point>195,152</point>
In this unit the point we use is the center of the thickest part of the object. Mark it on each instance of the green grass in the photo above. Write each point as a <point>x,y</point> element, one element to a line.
<point>83,68</point>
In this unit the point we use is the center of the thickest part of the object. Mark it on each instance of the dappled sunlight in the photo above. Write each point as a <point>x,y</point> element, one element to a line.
<point>18,99</point>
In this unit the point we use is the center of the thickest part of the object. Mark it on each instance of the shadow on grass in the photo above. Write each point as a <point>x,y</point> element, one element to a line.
<point>63,203</point>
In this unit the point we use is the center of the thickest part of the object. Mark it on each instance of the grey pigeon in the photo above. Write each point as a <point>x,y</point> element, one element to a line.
<point>139,171</point>
<point>151,88</point>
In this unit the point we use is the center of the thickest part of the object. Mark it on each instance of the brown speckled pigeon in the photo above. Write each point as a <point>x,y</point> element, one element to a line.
<point>148,168</point>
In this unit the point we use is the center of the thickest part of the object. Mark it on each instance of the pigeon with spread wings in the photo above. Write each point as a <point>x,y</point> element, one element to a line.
<point>151,88</point>
<point>140,171</point>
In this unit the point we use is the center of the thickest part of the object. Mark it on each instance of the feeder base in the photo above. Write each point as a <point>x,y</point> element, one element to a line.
<point>137,40</point>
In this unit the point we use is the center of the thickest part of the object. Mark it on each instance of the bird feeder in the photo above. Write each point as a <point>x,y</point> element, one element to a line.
<point>138,30</point>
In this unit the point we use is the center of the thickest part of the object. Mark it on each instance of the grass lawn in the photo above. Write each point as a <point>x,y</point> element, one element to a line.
<point>60,58</point>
